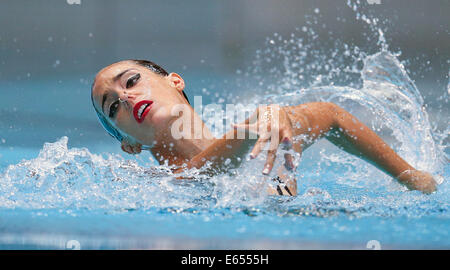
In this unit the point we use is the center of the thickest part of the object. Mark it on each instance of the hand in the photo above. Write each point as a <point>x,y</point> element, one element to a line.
<point>270,123</point>
<point>418,180</point>
<point>131,148</point>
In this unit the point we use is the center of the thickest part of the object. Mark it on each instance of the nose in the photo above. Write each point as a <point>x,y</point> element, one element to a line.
<point>126,99</point>
<point>123,96</point>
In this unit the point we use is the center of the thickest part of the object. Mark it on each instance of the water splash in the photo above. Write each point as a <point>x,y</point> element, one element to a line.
<point>74,178</point>
<point>369,82</point>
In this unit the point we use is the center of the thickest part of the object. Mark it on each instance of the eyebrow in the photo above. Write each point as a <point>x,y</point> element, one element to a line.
<point>116,78</point>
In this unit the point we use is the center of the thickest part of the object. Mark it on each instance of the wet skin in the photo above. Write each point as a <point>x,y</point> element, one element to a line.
<point>132,84</point>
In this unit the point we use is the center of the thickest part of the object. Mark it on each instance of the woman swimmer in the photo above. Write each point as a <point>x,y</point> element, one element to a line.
<point>135,100</point>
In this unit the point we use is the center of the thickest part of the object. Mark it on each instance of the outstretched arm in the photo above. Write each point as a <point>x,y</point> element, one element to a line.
<point>347,132</point>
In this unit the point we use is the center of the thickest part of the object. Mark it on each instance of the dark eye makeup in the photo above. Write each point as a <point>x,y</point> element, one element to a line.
<point>130,83</point>
<point>133,80</point>
<point>113,109</point>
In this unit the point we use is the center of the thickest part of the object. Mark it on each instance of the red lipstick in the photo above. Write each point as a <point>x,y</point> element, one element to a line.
<point>141,109</point>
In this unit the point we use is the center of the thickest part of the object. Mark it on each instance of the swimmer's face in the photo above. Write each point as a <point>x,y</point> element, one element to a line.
<point>136,100</point>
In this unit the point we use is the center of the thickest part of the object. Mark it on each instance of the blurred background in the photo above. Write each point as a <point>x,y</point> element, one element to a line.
<point>50,51</point>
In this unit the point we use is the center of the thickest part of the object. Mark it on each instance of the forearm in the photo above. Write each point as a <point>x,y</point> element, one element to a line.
<point>227,147</point>
<point>356,138</point>
<point>318,119</point>
<point>310,122</point>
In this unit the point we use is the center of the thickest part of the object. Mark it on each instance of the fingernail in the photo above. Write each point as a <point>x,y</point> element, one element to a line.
<point>252,156</point>
<point>266,171</point>
<point>286,144</point>
<point>286,141</point>
<point>289,166</point>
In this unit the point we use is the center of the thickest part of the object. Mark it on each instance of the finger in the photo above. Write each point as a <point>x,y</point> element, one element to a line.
<point>271,154</point>
<point>288,162</point>
<point>286,136</point>
<point>258,146</point>
<point>286,132</point>
<point>264,123</point>
<point>286,143</point>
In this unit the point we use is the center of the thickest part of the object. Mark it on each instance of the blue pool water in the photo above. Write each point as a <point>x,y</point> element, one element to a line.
<point>62,178</point>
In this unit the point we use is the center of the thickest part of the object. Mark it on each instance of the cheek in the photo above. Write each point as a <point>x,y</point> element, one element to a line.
<point>161,116</point>
<point>124,123</point>
<point>142,133</point>
<point>123,119</point>
<point>146,92</point>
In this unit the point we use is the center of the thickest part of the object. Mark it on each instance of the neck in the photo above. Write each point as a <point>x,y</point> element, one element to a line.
<point>196,138</point>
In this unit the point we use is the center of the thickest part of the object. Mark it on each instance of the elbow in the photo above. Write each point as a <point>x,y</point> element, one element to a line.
<point>335,112</point>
